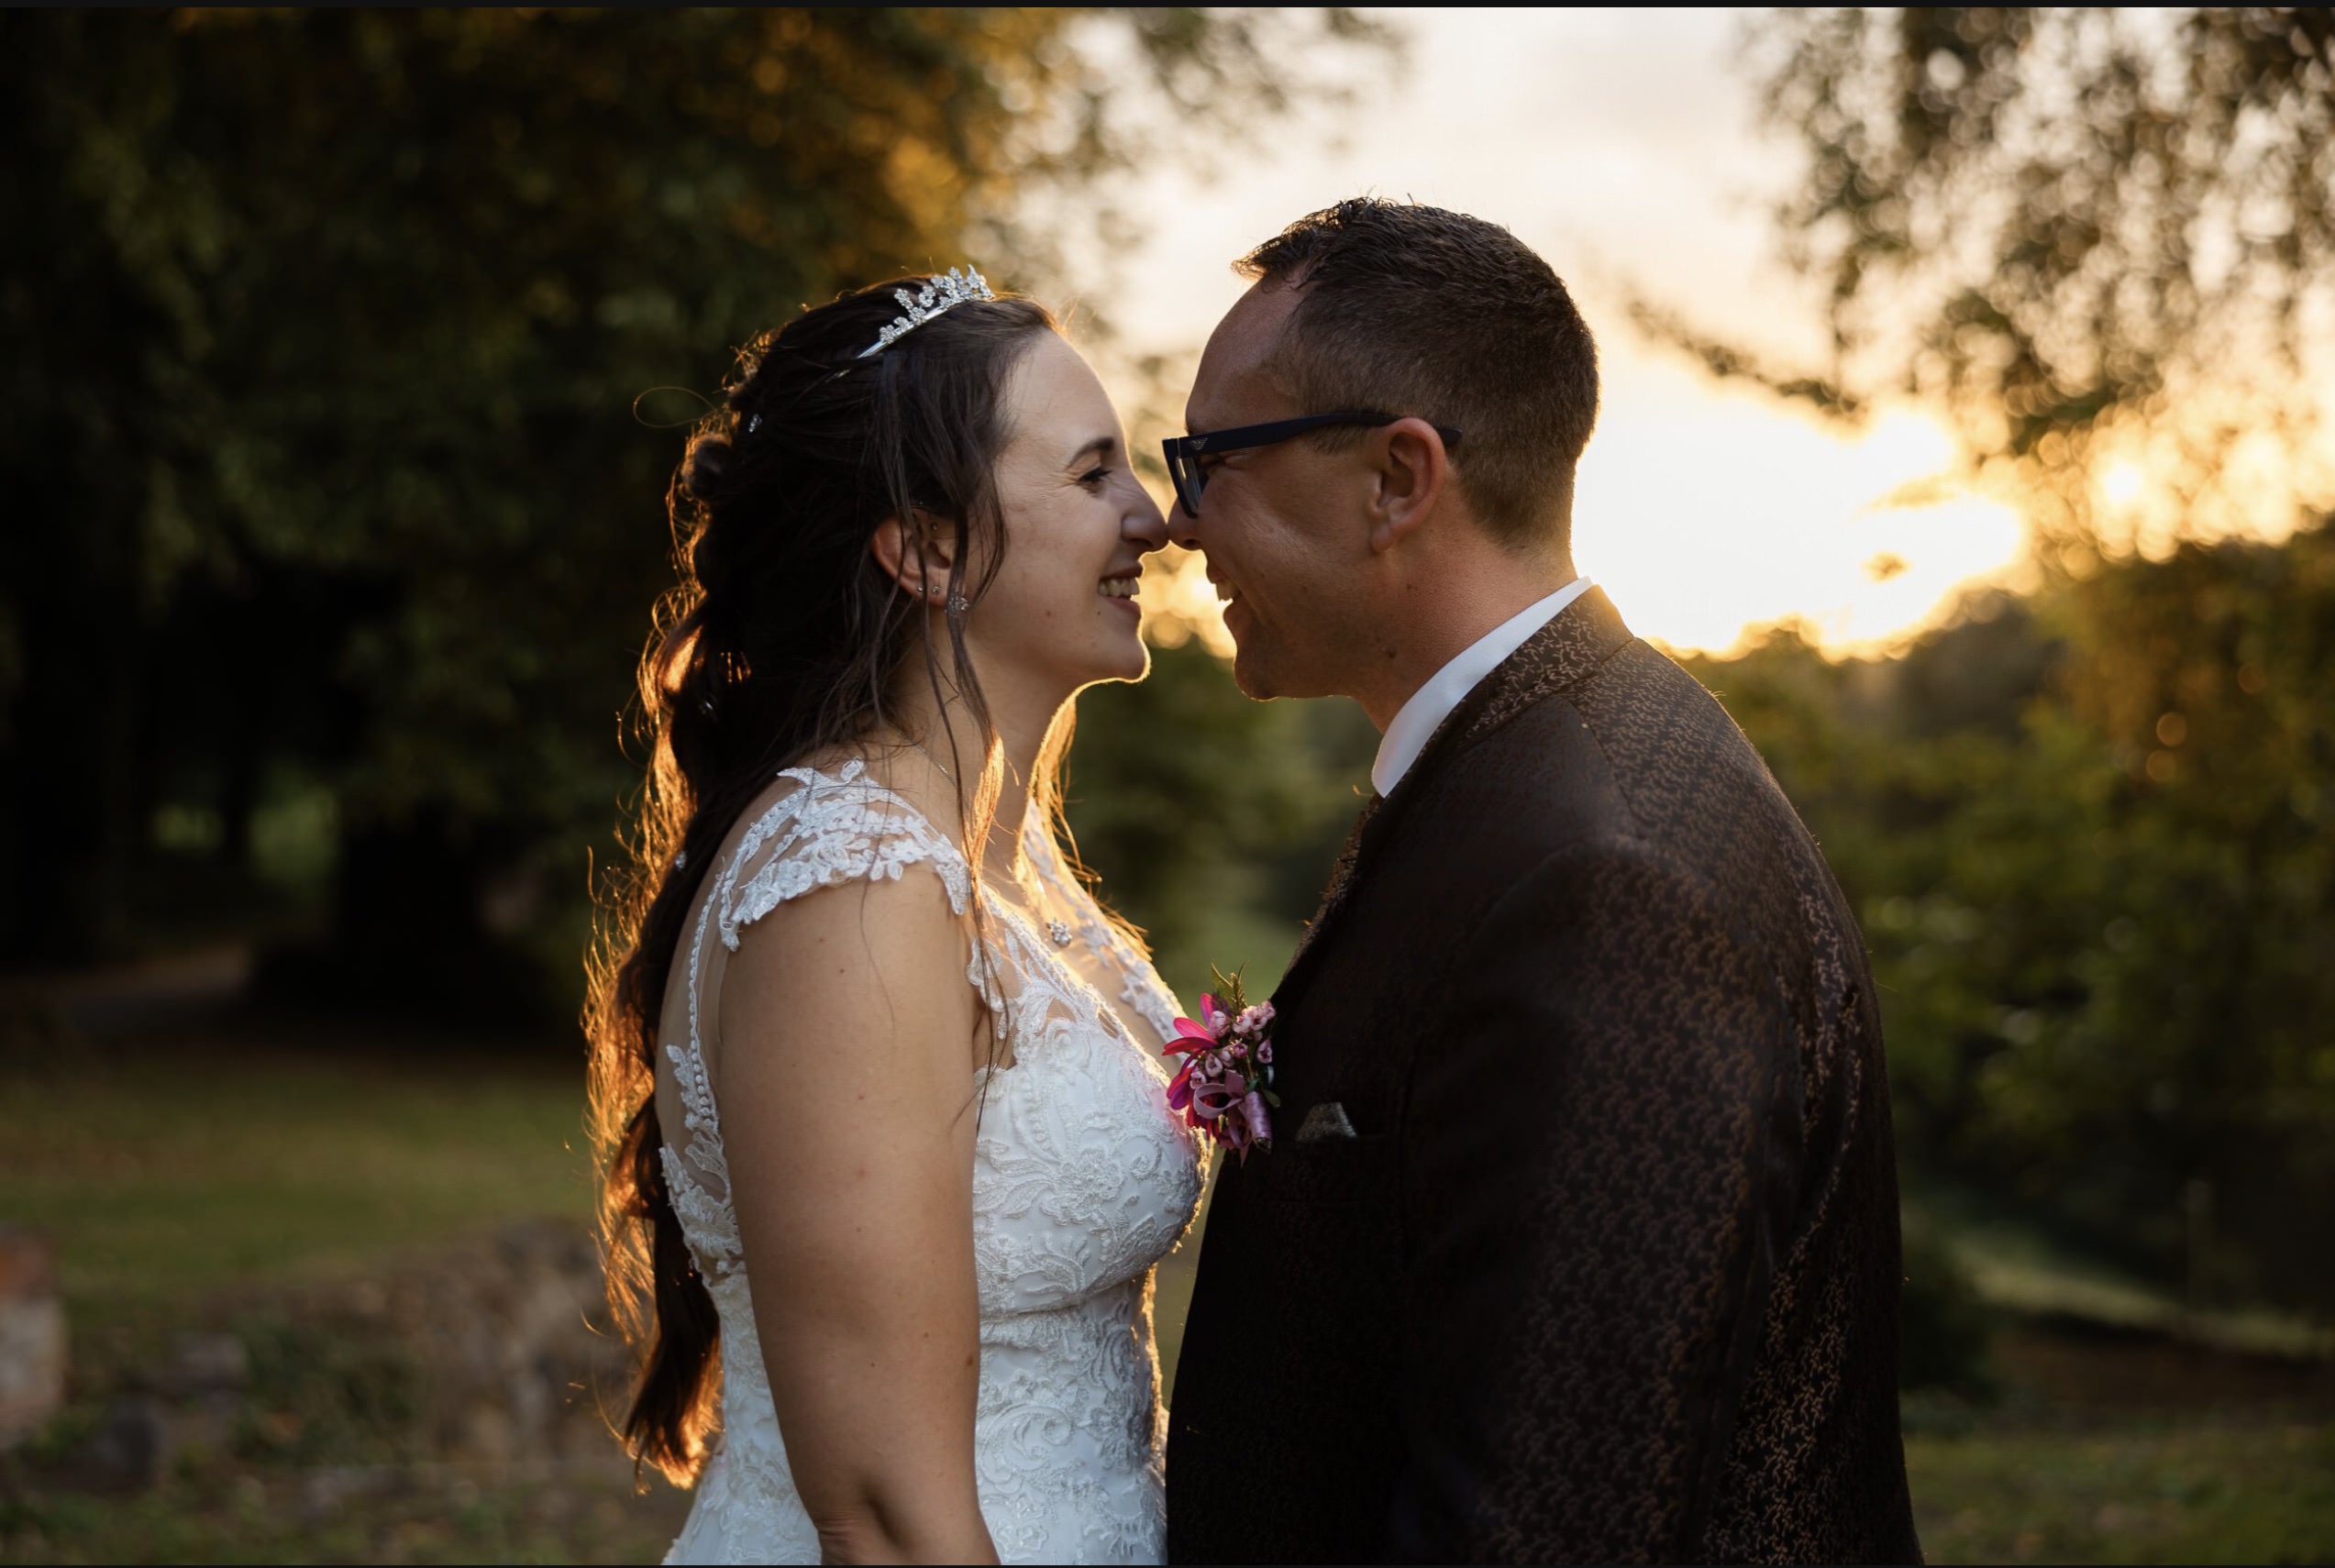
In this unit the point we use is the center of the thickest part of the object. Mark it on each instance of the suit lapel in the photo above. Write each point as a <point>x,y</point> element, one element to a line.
<point>1560,654</point>
<point>1340,874</point>
<point>1583,637</point>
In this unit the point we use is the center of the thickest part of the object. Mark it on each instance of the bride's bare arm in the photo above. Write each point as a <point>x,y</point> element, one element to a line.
<point>846,1084</point>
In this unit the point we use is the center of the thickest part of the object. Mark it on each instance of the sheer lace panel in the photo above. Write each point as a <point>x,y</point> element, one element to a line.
<point>1118,967</point>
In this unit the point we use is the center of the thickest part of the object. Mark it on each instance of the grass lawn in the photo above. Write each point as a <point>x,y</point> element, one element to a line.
<point>448,1516</point>
<point>2153,1492</point>
<point>166,1173</point>
<point>170,1176</point>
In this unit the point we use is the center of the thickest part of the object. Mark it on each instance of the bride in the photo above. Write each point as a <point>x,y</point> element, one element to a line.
<point>876,1084</point>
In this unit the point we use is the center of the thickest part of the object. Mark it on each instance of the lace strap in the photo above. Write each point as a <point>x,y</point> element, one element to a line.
<point>833,829</point>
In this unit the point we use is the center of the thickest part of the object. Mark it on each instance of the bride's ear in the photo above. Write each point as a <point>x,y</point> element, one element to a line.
<point>915,554</point>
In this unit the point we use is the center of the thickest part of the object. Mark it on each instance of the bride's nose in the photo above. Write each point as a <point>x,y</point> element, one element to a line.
<point>1142,523</point>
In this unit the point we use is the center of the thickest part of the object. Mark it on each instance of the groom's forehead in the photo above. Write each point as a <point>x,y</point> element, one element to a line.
<point>1237,383</point>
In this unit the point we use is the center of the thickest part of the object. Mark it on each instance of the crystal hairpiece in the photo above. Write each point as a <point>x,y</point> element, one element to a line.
<point>945,292</point>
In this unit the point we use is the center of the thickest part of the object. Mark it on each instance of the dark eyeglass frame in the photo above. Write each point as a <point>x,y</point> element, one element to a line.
<point>1184,452</point>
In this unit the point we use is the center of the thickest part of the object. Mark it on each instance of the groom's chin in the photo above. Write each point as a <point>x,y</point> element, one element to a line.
<point>1251,672</point>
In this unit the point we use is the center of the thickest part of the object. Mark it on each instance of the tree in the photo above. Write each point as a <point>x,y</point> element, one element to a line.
<point>2100,904</point>
<point>2094,235</point>
<point>324,330</point>
<point>2102,242</point>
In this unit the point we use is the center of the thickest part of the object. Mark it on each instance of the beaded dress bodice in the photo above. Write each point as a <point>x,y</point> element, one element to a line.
<point>1082,1180</point>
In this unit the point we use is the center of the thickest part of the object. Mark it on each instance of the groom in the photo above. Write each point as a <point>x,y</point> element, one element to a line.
<point>1579,1236</point>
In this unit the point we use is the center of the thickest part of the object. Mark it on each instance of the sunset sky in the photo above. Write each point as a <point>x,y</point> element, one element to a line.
<point>1621,145</point>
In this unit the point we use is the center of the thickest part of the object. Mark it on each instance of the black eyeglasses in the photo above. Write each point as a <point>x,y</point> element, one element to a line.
<point>1184,452</point>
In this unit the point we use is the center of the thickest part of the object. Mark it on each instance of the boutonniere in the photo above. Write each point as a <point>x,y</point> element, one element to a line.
<point>1225,1087</point>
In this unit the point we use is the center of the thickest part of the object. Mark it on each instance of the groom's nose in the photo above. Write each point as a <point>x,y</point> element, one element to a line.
<point>1182,528</point>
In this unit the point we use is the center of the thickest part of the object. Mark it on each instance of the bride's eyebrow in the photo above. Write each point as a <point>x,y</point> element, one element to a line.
<point>1100,447</point>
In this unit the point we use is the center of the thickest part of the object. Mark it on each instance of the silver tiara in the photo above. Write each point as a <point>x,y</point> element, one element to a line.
<point>944,292</point>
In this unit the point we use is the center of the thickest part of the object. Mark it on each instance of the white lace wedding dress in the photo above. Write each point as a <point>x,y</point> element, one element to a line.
<point>1082,1180</point>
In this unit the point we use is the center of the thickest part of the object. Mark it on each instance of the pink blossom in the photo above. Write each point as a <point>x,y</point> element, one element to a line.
<point>1211,1090</point>
<point>1189,1036</point>
<point>1213,1012</point>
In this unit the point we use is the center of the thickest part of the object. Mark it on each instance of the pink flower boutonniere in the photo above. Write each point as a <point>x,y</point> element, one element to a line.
<point>1226,1085</point>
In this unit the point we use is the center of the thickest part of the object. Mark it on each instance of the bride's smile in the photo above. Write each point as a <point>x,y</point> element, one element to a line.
<point>1063,610</point>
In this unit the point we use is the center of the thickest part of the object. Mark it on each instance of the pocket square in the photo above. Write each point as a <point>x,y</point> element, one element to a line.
<point>1326,1120</point>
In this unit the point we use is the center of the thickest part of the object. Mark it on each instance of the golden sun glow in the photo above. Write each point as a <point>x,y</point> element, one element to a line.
<point>1179,603</point>
<point>1707,512</point>
<point>2120,483</point>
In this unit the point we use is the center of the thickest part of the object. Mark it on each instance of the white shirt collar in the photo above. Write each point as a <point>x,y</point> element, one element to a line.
<point>1432,704</point>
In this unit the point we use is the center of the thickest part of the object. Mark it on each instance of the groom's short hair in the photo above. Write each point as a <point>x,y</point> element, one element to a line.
<point>1413,310</point>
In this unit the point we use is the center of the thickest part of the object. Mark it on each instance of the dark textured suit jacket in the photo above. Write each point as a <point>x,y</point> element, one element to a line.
<point>1609,1270</point>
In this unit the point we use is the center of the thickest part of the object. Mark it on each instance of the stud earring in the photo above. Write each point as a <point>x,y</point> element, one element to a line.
<point>957,604</point>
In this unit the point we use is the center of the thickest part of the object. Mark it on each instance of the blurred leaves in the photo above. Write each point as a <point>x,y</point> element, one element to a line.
<point>1943,1328</point>
<point>324,330</point>
<point>1213,820</point>
<point>2086,831</point>
<point>2089,233</point>
<point>2091,195</point>
<point>2087,838</point>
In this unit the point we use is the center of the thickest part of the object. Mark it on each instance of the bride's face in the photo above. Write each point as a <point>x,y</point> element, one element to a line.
<point>1062,610</point>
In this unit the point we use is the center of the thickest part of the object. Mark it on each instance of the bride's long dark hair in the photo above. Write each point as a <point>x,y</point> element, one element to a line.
<point>784,639</point>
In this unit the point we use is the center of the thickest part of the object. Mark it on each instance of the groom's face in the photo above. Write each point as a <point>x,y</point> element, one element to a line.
<point>1279,523</point>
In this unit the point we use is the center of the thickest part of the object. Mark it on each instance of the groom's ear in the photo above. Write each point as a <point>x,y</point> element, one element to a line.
<point>1410,470</point>
<point>915,554</point>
